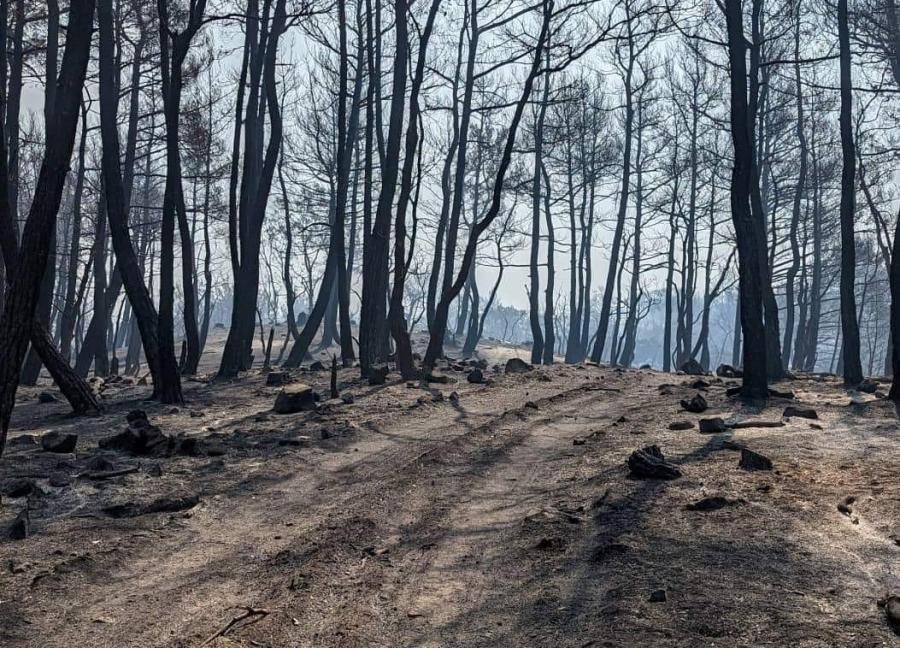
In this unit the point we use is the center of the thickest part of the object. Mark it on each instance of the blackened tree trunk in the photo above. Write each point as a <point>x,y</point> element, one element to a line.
<point>373,331</point>
<point>67,319</point>
<point>770,305</point>
<point>174,48</point>
<point>626,357</point>
<point>624,194</point>
<point>670,258</point>
<point>849,324</point>
<point>749,257</point>
<point>534,308</point>
<point>439,328</point>
<point>550,289</point>
<point>246,223</point>
<point>396,315</point>
<point>32,368</point>
<point>794,269</point>
<point>17,323</point>
<point>160,357</point>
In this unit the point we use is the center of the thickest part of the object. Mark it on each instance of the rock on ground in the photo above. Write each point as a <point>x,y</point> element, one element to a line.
<point>649,463</point>
<point>516,366</point>
<point>296,398</point>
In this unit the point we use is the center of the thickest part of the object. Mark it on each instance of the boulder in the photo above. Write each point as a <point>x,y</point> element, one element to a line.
<point>712,426</point>
<point>754,461</point>
<point>19,487</point>
<point>658,596</point>
<point>692,368</point>
<point>892,611</point>
<point>476,376</point>
<point>695,405</point>
<point>868,386</point>
<point>58,442</point>
<point>727,371</point>
<point>800,412</point>
<point>296,398</point>
<point>46,397</point>
<point>278,378</point>
<point>139,438</point>
<point>23,441</point>
<point>517,366</point>
<point>649,463</point>
<point>21,526</point>
<point>378,375</point>
<point>681,425</point>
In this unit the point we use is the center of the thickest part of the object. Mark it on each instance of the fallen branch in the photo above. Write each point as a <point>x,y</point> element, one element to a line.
<point>741,425</point>
<point>249,613</point>
<point>108,474</point>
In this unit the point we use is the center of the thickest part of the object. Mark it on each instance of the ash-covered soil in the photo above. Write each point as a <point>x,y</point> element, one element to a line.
<point>455,514</point>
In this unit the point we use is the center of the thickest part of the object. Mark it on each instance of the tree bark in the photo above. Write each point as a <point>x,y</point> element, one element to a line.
<point>17,323</point>
<point>749,257</point>
<point>849,324</point>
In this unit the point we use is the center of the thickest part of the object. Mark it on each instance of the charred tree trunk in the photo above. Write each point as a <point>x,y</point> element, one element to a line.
<point>849,325</point>
<point>749,256</point>
<point>794,268</point>
<point>534,310</point>
<point>439,329</point>
<point>160,357</point>
<point>17,324</point>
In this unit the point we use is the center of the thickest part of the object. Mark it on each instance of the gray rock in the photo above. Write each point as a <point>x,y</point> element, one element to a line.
<point>800,412</point>
<point>692,368</point>
<point>695,405</point>
<point>476,376</point>
<point>712,426</point>
<point>892,611</point>
<point>58,442</point>
<point>754,461</point>
<point>727,371</point>
<point>139,438</point>
<point>21,526</point>
<point>378,375</point>
<point>278,378</point>
<point>649,463</point>
<point>517,366</point>
<point>295,398</point>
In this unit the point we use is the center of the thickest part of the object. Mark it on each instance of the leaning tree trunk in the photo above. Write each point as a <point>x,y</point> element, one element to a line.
<point>32,368</point>
<point>439,329</point>
<point>160,357</point>
<point>606,305</point>
<point>17,323</point>
<point>396,317</point>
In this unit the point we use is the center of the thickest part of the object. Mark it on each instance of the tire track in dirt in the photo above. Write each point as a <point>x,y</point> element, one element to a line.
<point>481,485</point>
<point>232,549</point>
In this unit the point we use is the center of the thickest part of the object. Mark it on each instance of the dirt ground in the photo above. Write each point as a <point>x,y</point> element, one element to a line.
<point>503,515</point>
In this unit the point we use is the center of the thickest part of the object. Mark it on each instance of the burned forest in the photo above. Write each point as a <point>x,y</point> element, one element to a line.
<point>449,323</point>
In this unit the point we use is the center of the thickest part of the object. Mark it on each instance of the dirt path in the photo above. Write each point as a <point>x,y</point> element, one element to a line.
<point>502,518</point>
